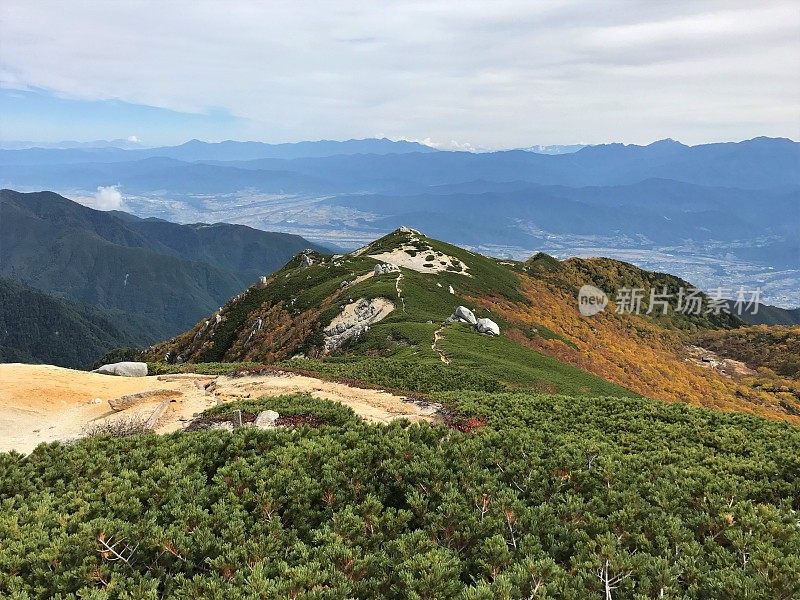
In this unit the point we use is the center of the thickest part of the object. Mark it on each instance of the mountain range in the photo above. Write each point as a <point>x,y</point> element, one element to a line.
<point>722,214</point>
<point>161,275</point>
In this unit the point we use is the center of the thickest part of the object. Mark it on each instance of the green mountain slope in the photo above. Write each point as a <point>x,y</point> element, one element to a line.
<point>305,317</point>
<point>290,314</point>
<point>166,273</point>
<point>39,328</point>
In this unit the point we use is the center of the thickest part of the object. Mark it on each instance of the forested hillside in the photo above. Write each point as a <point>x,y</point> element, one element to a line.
<point>157,272</point>
<point>39,328</point>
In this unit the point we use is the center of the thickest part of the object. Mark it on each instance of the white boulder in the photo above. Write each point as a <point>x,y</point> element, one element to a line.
<point>464,315</point>
<point>124,369</point>
<point>266,419</point>
<point>487,326</point>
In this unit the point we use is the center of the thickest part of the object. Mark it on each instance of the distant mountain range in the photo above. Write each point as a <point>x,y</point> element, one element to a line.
<point>737,202</point>
<point>159,273</point>
<point>383,165</point>
<point>195,150</point>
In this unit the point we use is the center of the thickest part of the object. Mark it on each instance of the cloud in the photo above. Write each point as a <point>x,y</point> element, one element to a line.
<point>133,139</point>
<point>500,74</point>
<point>106,198</point>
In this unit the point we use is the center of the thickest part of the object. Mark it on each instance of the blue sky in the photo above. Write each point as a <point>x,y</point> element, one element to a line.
<point>41,116</point>
<point>455,73</point>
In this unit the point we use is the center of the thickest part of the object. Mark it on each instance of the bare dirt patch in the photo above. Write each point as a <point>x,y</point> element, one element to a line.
<point>711,360</point>
<point>43,403</point>
<point>375,406</point>
<point>424,261</point>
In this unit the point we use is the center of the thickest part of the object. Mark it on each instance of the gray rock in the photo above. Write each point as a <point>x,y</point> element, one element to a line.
<point>266,419</point>
<point>223,425</point>
<point>383,268</point>
<point>487,326</point>
<point>124,369</point>
<point>305,261</point>
<point>464,314</point>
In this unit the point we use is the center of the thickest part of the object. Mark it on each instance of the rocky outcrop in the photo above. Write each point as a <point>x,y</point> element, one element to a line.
<point>266,419</point>
<point>305,261</point>
<point>384,268</point>
<point>354,320</point>
<point>124,369</point>
<point>464,315</point>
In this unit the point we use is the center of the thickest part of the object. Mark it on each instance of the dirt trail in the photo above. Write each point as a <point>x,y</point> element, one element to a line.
<point>399,291</point>
<point>43,403</point>
<point>437,336</point>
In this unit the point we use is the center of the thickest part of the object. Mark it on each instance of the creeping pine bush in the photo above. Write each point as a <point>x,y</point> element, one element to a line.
<point>552,497</point>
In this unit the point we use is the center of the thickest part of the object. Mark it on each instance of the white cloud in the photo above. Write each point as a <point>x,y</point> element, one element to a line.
<point>133,139</point>
<point>106,198</point>
<point>501,74</point>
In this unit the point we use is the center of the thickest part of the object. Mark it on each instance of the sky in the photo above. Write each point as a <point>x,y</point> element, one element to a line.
<point>452,73</point>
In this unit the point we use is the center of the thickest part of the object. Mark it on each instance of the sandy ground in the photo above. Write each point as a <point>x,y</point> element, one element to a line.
<point>42,403</point>
<point>375,406</point>
<point>402,258</point>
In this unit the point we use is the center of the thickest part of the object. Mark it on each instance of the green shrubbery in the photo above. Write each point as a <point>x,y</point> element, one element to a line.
<point>329,413</point>
<point>547,498</point>
<point>400,374</point>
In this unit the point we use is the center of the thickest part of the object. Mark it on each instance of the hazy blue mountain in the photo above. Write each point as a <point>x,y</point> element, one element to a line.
<point>153,174</point>
<point>119,143</point>
<point>761,163</point>
<point>195,150</point>
<point>169,274</point>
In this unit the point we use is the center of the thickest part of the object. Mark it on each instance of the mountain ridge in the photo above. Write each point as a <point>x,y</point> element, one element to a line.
<point>161,271</point>
<point>544,342</point>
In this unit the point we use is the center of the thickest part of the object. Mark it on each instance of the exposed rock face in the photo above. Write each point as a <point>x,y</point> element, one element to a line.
<point>383,268</point>
<point>305,261</point>
<point>465,315</point>
<point>266,419</point>
<point>354,320</point>
<point>124,369</point>
<point>487,326</point>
